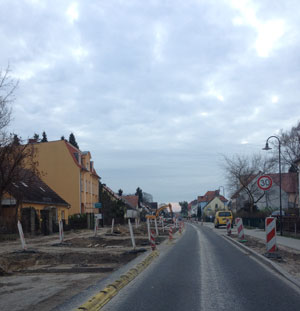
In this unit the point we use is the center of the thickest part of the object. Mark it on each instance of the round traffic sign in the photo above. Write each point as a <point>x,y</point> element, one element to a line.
<point>264,182</point>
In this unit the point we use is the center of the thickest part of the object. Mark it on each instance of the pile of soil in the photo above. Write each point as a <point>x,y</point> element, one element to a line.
<point>3,272</point>
<point>14,262</point>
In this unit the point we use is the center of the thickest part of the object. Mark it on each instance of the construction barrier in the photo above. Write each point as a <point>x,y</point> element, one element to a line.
<point>170,234</point>
<point>131,234</point>
<point>271,234</point>
<point>96,226</point>
<point>112,226</point>
<point>24,246</point>
<point>228,226</point>
<point>61,231</point>
<point>156,228</point>
<point>148,229</point>
<point>240,228</point>
<point>152,241</point>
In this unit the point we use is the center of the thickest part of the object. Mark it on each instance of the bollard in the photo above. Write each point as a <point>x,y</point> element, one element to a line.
<point>96,226</point>
<point>148,229</point>
<point>112,226</point>
<point>61,231</point>
<point>156,228</point>
<point>152,241</point>
<point>271,234</point>
<point>131,234</point>
<point>24,246</point>
<point>170,234</point>
<point>228,226</point>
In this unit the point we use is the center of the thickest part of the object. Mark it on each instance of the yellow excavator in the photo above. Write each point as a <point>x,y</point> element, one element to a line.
<point>159,210</point>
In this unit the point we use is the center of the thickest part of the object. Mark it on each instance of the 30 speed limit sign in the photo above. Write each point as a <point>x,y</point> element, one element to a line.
<point>264,182</point>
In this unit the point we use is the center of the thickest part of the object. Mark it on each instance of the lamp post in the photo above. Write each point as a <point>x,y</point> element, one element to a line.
<point>279,160</point>
<point>223,190</point>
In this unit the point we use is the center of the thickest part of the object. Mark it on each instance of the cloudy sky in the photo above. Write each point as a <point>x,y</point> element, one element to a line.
<point>156,90</point>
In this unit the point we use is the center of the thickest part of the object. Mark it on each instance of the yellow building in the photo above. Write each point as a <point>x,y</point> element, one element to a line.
<point>213,206</point>
<point>31,192</point>
<point>70,173</point>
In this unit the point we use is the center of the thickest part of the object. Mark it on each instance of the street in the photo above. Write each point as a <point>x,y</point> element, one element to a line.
<point>203,271</point>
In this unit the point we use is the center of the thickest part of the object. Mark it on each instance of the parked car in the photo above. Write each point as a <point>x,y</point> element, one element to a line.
<point>277,213</point>
<point>221,218</point>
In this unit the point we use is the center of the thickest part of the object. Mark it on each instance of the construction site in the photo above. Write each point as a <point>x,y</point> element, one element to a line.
<point>50,270</point>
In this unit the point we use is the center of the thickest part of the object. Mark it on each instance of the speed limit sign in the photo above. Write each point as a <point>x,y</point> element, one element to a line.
<point>264,182</point>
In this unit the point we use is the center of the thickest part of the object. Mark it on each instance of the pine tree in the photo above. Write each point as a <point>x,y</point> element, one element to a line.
<point>44,139</point>
<point>72,141</point>
<point>120,192</point>
<point>63,137</point>
<point>36,137</point>
<point>16,140</point>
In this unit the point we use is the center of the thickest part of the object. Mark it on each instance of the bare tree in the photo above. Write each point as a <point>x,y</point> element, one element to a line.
<point>14,156</point>
<point>7,88</point>
<point>290,146</point>
<point>240,171</point>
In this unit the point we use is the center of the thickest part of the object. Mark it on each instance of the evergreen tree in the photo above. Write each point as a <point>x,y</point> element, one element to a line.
<point>44,139</point>
<point>63,137</point>
<point>36,137</point>
<point>72,141</point>
<point>120,192</point>
<point>139,193</point>
<point>16,140</point>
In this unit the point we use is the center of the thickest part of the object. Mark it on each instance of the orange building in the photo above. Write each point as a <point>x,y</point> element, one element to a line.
<point>70,173</point>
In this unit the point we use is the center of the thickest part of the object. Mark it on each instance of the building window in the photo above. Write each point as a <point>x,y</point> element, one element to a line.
<point>62,215</point>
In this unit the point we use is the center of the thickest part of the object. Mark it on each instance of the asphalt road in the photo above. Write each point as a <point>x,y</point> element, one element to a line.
<point>203,271</point>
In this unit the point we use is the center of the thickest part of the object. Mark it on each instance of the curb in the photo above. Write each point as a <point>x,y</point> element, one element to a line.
<point>105,295</point>
<point>265,261</point>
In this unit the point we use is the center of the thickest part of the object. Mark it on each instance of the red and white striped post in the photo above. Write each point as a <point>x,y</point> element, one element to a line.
<point>152,241</point>
<point>228,226</point>
<point>170,234</point>
<point>271,234</point>
<point>240,228</point>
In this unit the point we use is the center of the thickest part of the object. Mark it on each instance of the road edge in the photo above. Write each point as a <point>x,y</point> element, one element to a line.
<point>97,301</point>
<point>104,296</point>
<point>269,263</point>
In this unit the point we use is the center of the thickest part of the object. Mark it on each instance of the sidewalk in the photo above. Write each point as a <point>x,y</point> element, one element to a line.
<point>261,234</point>
<point>281,240</point>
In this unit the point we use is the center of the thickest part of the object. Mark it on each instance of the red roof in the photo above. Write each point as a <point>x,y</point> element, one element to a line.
<point>73,150</point>
<point>288,181</point>
<point>210,195</point>
<point>132,200</point>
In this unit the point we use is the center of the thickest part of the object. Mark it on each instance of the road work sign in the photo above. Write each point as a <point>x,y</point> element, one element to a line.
<point>264,182</point>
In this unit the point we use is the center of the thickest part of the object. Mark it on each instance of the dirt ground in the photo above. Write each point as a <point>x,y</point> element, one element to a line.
<point>29,280</point>
<point>289,259</point>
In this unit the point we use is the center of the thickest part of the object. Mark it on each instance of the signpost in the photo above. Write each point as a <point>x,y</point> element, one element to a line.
<point>264,182</point>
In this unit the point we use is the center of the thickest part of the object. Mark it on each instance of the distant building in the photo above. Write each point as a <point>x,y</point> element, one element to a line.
<point>32,193</point>
<point>206,203</point>
<point>269,199</point>
<point>70,173</point>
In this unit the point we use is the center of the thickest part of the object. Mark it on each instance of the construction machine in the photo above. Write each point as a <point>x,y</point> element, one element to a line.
<point>159,210</point>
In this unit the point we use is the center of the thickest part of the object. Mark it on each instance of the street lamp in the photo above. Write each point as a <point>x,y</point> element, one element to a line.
<point>279,160</point>
<point>223,190</point>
